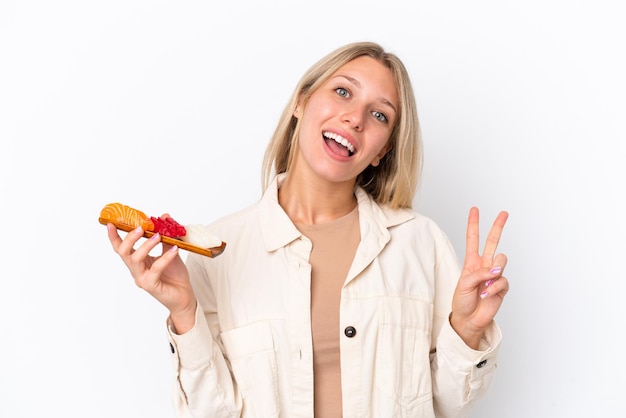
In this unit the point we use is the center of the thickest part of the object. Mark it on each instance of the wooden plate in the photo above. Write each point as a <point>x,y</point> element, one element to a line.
<point>209,252</point>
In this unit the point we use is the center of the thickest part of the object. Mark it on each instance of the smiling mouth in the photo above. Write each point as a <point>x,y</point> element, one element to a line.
<point>339,144</point>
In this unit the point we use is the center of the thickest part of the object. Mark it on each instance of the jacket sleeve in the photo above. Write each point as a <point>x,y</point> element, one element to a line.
<point>203,385</point>
<point>461,376</point>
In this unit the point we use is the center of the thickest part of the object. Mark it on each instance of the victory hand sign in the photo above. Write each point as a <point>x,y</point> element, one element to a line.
<point>481,287</point>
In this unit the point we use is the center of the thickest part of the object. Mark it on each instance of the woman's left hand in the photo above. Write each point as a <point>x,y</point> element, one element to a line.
<point>481,287</point>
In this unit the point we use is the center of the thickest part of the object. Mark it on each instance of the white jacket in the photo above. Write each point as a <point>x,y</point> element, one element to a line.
<point>250,351</point>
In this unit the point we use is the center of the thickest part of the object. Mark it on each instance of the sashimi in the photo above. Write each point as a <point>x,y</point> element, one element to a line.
<point>120,213</point>
<point>168,227</point>
<point>201,236</point>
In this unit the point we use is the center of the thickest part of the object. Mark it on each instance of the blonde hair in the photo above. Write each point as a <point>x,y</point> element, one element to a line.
<point>394,181</point>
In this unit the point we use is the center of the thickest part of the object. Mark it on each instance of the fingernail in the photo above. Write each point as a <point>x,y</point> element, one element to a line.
<point>155,236</point>
<point>495,270</point>
<point>138,230</point>
<point>484,294</point>
<point>174,249</point>
<point>488,282</point>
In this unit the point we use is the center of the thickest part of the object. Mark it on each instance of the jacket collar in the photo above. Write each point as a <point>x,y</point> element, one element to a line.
<point>278,230</point>
<point>276,226</point>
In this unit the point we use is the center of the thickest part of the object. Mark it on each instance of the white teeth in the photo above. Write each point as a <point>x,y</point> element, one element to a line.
<point>340,140</point>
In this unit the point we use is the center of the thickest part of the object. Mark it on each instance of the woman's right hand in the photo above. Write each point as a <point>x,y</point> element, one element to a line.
<point>164,277</point>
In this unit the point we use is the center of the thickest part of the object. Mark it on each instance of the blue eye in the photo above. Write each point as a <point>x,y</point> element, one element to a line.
<point>380,116</point>
<point>342,92</point>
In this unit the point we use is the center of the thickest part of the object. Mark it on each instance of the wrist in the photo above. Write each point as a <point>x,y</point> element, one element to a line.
<point>470,335</point>
<point>184,320</point>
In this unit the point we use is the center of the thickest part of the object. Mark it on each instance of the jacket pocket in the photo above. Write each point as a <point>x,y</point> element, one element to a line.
<point>402,358</point>
<point>250,351</point>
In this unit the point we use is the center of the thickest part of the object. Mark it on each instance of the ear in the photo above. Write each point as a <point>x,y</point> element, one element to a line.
<point>380,155</point>
<point>297,112</point>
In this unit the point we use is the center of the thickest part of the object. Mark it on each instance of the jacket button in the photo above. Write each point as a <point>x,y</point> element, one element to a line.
<point>481,364</point>
<point>350,332</point>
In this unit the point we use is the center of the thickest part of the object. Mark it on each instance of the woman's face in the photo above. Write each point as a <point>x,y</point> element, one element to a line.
<point>346,124</point>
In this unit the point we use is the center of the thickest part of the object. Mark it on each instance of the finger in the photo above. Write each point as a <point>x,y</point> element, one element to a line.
<point>471,235</point>
<point>152,280</point>
<point>114,237</point>
<point>500,260</point>
<point>483,277</point>
<point>493,238</point>
<point>166,247</point>
<point>495,272</point>
<point>496,287</point>
<point>141,263</point>
<point>144,249</point>
<point>126,246</point>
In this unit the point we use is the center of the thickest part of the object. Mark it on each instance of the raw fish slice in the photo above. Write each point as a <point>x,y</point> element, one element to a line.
<point>201,236</point>
<point>120,213</point>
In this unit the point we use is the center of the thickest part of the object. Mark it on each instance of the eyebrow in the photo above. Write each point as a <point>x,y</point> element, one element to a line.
<point>358,84</point>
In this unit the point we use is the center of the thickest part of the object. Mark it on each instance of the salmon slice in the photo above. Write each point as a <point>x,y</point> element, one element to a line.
<point>117,212</point>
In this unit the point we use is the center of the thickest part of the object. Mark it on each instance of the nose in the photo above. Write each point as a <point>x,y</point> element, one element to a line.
<point>353,116</point>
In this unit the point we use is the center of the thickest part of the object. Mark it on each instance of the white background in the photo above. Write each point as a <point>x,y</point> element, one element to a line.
<point>167,106</point>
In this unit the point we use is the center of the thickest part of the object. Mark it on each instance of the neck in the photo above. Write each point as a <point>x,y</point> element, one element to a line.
<point>314,201</point>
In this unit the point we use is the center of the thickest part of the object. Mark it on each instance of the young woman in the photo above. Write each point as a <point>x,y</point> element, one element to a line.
<point>334,298</point>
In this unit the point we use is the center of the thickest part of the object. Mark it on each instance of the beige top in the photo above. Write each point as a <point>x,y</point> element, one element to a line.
<point>334,246</point>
